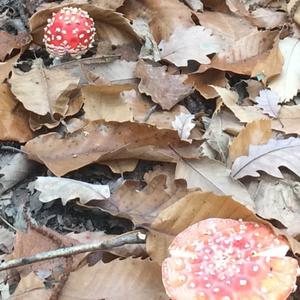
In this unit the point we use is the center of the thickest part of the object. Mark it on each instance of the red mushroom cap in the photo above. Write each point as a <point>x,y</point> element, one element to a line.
<point>71,31</point>
<point>224,259</point>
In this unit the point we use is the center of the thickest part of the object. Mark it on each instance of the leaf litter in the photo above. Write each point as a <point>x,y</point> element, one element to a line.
<point>180,111</point>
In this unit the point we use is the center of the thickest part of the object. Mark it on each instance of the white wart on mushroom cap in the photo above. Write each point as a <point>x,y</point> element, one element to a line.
<point>70,30</point>
<point>224,259</point>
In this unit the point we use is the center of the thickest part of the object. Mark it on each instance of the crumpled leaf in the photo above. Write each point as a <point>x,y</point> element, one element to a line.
<point>13,118</point>
<point>101,141</point>
<point>255,133</point>
<point>6,240</point>
<point>164,88</point>
<point>268,18</point>
<point>268,158</point>
<point>191,209</point>
<point>66,189</point>
<point>40,91</point>
<point>192,43</point>
<point>111,281</point>
<point>268,102</point>
<point>286,84</point>
<point>142,205</point>
<point>163,16</point>
<point>183,124</point>
<point>212,176</point>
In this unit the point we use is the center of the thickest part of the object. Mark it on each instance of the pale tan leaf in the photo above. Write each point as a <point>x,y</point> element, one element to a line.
<point>192,43</point>
<point>66,189</point>
<point>267,18</point>
<point>110,26</point>
<point>163,16</point>
<point>164,88</point>
<point>268,102</point>
<point>133,279</point>
<point>13,118</point>
<point>286,85</point>
<point>40,91</point>
<point>243,113</point>
<point>104,4</point>
<point>212,176</point>
<point>189,210</point>
<point>255,133</point>
<point>6,67</point>
<point>100,141</point>
<point>268,158</point>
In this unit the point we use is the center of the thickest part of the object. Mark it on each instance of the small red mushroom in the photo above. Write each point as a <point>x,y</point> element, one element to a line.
<point>224,259</point>
<point>69,31</point>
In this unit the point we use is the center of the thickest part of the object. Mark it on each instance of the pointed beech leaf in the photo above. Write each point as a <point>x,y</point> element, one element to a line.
<point>164,88</point>
<point>286,84</point>
<point>107,141</point>
<point>212,176</point>
<point>66,189</point>
<point>183,124</point>
<point>131,278</point>
<point>268,102</point>
<point>268,158</point>
<point>192,43</point>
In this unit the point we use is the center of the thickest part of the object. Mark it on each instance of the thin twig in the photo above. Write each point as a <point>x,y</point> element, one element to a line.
<point>7,223</point>
<point>136,237</point>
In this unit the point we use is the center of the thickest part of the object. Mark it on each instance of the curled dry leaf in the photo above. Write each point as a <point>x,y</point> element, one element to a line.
<point>100,141</point>
<point>13,118</point>
<point>163,16</point>
<point>286,84</point>
<point>142,206</point>
<point>110,26</point>
<point>49,95</point>
<point>191,209</point>
<point>104,4</point>
<point>164,88</point>
<point>111,280</point>
<point>183,123</point>
<point>192,43</point>
<point>268,102</point>
<point>66,189</point>
<point>268,158</point>
<point>267,18</point>
<point>212,176</point>
<point>243,44</point>
<point>255,133</point>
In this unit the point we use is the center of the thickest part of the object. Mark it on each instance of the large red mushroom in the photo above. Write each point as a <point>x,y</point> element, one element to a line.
<point>69,31</point>
<point>224,259</point>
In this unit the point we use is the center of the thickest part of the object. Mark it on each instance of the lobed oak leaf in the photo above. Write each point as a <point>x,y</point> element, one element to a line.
<point>192,43</point>
<point>183,124</point>
<point>268,158</point>
<point>268,102</point>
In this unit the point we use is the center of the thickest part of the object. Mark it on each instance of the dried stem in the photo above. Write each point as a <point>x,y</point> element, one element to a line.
<point>135,237</point>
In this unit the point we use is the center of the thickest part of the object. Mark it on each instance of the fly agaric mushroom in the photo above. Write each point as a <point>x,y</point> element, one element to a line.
<point>69,31</point>
<point>224,259</point>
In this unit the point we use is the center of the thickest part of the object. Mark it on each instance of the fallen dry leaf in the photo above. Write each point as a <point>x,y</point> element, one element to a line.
<point>100,141</point>
<point>13,118</point>
<point>286,84</point>
<point>163,16</point>
<point>104,4</point>
<point>111,281</point>
<point>142,205</point>
<point>192,43</point>
<point>268,158</point>
<point>164,88</point>
<point>268,102</point>
<point>255,133</point>
<point>212,176</point>
<point>189,210</point>
<point>49,95</point>
<point>6,240</point>
<point>52,188</point>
